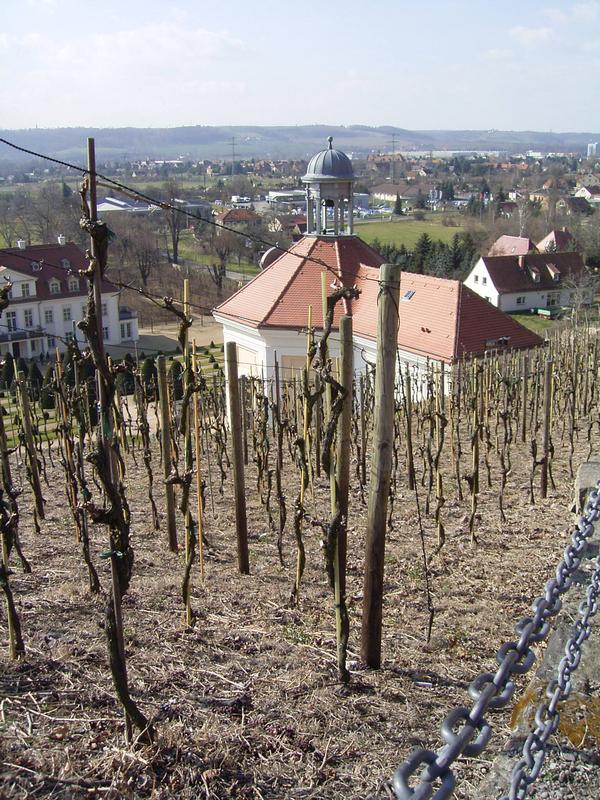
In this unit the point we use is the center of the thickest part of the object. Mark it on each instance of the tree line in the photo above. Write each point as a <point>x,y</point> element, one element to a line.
<point>433,257</point>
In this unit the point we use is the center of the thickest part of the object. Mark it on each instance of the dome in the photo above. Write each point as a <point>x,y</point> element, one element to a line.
<point>329,165</point>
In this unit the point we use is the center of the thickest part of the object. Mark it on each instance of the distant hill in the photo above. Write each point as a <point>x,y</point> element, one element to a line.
<point>299,141</point>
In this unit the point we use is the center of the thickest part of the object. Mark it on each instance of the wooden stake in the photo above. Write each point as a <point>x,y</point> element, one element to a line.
<point>198,448</point>
<point>165,428</point>
<point>238,457</point>
<point>381,463</point>
<point>546,429</point>
<point>30,445</point>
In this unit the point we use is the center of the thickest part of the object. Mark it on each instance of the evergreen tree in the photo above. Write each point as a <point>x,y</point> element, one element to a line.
<point>421,253</point>
<point>47,398</point>
<point>398,206</point>
<point>420,200</point>
<point>149,377</point>
<point>176,378</point>
<point>8,371</point>
<point>35,379</point>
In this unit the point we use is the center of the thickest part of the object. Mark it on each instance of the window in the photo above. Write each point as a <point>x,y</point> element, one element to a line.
<point>475,278</point>
<point>54,287</point>
<point>35,266</point>
<point>484,281</point>
<point>73,284</point>
<point>65,263</point>
<point>521,300</point>
<point>11,320</point>
<point>48,316</point>
<point>28,314</point>
<point>408,295</point>
<point>69,336</point>
<point>67,313</point>
<point>105,334</point>
<point>126,330</point>
<point>25,290</point>
<point>33,344</point>
<point>104,310</point>
<point>51,341</point>
<point>489,299</point>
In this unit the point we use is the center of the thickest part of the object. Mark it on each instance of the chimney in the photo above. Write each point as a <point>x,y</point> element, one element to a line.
<point>521,262</point>
<point>62,239</point>
<point>21,244</point>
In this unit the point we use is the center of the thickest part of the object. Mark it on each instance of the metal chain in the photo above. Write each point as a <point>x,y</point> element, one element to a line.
<point>547,715</point>
<point>491,691</point>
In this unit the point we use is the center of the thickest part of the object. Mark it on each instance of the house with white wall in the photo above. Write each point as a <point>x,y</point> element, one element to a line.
<point>440,320</point>
<point>48,298</point>
<point>531,280</point>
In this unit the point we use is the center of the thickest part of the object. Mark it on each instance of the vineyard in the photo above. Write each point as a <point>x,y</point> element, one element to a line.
<point>183,593</point>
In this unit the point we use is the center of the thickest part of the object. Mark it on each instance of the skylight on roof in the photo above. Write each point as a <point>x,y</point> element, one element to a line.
<point>408,295</point>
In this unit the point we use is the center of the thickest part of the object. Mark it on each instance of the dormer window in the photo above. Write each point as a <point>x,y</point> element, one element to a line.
<point>25,290</point>
<point>54,286</point>
<point>408,296</point>
<point>36,266</point>
<point>73,284</point>
<point>65,263</point>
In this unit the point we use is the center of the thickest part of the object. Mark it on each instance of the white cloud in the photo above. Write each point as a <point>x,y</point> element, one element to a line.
<point>556,15</point>
<point>499,54</point>
<point>169,44</point>
<point>587,11</point>
<point>530,36</point>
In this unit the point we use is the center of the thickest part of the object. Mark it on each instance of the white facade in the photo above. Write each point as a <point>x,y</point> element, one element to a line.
<point>257,350</point>
<point>32,326</point>
<point>480,282</point>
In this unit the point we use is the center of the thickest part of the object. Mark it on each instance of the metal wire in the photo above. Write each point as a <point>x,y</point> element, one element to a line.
<point>466,731</point>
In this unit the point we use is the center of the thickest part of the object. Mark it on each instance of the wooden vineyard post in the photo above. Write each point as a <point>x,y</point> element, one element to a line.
<point>546,429</point>
<point>198,449</point>
<point>30,446</point>
<point>381,463</point>
<point>243,394</point>
<point>235,422</point>
<point>188,459</point>
<point>363,434</point>
<point>525,378</point>
<point>409,442</point>
<point>165,426</point>
<point>120,554</point>
<point>341,489</point>
<point>477,389</point>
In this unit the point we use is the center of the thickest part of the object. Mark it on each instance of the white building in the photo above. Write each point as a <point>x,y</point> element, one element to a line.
<point>48,298</point>
<point>531,280</point>
<point>440,320</point>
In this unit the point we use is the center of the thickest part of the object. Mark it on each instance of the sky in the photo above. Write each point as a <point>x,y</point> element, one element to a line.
<point>453,64</point>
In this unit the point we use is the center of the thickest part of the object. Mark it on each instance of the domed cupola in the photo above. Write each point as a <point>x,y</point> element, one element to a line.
<point>329,178</point>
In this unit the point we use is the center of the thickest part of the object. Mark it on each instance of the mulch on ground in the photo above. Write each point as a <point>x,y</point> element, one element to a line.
<point>247,703</point>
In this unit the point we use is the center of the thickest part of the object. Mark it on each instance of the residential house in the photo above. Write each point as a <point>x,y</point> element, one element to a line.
<point>292,224</point>
<point>48,297</point>
<point>529,281</point>
<point>238,218</point>
<point>511,246</point>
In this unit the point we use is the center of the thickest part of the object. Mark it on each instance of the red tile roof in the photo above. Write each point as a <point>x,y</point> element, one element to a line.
<point>237,216</point>
<point>55,261</point>
<point>557,240</point>
<point>511,246</point>
<point>514,273</point>
<point>441,320</point>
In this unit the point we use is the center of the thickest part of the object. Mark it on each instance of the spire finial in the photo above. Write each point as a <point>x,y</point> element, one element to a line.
<point>330,140</point>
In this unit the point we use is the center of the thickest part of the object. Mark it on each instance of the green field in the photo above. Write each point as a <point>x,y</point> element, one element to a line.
<point>404,232</point>
<point>539,325</point>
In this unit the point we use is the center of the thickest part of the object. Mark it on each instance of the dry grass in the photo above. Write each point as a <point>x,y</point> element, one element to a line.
<point>246,703</point>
